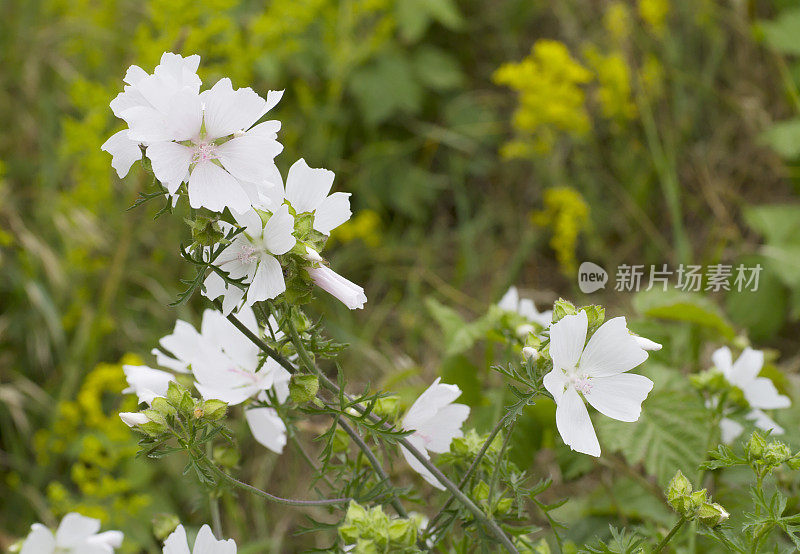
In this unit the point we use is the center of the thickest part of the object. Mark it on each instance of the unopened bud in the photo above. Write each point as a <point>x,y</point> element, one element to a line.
<point>712,514</point>
<point>530,353</point>
<point>524,330</point>
<point>132,419</point>
<point>756,446</point>
<point>303,388</point>
<point>214,410</point>
<point>776,453</point>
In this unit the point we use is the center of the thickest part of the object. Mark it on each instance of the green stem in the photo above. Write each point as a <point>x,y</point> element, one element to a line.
<point>424,460</point>
<point>277,499</point>
<point>467,475</point>
<point>669,536</point>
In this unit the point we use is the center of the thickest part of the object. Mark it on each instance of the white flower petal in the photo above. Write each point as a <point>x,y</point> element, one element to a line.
<point>134,74</point>
<point>416,465</point>
<point>267,428</point>
<point>761,393</point>
<point>425,408</point>
<point>177,543</point>
<point>39,541</point>
<point>206,543</point>
<point>647,344</point>
<point>185,115</point>
<point>170,162</point>
<point>132,419</point>
<point>278,238</point>
<point>147,124</point>
<point>567,338</point>
<point>146,382</point>
<point>248,157</point>
<point>510,300</point>
<point>747,367</point>
<point>212,187</point>
<point>619,396</point>
<point>273,97</point>
<point>268,281</point>
<point>333,211</point>
<point>215,286</point>
<point>730,429</point>
<point>611,350</point>
<point>764,422</point>
<point>307,187</point>
<point>439,433</point>
<point>124,152</point>
<point>108,540</point>
<point>556,383</point>
<point>184,343</point>
<point>723,360</point>
<point>75,529</point>
<point>574,424</point>
<point>228,110</point>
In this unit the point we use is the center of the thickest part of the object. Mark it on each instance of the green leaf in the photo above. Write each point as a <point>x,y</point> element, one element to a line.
<point>683,306</point>
<point>781,33</point>
<point>784,137</point>
<point>437,69</point>
<point>460,336</point>
<point>664,440</point>
<point>778,223</point>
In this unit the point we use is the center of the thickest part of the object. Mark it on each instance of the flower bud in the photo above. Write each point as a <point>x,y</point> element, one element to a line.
<point>524,330</point>
<point>303,388</point>
<point>403,532</point>
<point>678,488</point>
<point>530,353</point>
<point>132,419</point>
<point>712,514</point>
<point>481,491</point>
<point>155,416</point>
<point>756,446</point>
<point>776,453</point>
<point>561,308</point>
<point>214,410</point>
<point>350,294</point>
<point>164,525</point>
<point>162,406</point>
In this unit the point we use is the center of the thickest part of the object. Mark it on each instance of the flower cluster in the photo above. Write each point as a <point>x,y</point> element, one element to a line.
<point>211,147</point>
<point>225,365</point>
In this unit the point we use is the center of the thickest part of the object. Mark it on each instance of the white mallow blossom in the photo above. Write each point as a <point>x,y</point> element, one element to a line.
<point>151,94</point>
<point>205,543</point>
<point>76,534</point>
<point>511,302</point>
<point>251,256</point>
<point>344,290</point>
<point>307,190</point>
<point>436,421</point>
<point>760,392</point>
<point>209,139</point>
<point>226,366</point>
<point>596,371</point>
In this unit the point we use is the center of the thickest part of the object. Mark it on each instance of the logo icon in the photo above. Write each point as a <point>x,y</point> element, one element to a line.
<point>591,277</point>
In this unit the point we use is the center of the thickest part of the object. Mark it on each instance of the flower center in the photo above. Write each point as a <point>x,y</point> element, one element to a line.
<point>247,254</point>
<point>204,151</point>
<point>581,383</point>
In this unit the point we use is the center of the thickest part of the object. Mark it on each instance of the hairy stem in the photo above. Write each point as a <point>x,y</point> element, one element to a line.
<point>660,546</point>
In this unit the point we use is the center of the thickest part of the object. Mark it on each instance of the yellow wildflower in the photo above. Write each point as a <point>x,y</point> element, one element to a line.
<point>654,13</point>
<point>614,78</point>
<point>566,213</point>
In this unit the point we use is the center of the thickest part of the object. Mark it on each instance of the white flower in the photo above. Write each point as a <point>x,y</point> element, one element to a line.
<point>760,392</point>
<point>251,255</point>
<point>598,373</point>
<point>76,534</point>
<point>132,419</point>
<point>436,421</point>
<point>350,294</point>
<point>525,307</point>
<point>205,543</point>
<point>267,428</point>
<point>307,191</point>
<point>153,94</point>
<point>208,139</point>
<point>146,382</point>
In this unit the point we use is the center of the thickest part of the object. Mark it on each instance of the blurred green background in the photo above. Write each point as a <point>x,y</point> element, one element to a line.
<point>486,143</point>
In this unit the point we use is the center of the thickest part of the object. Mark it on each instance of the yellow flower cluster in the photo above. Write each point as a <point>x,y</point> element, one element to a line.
<point>566,214</point>
<point>88,434</point>
<point>551,98</point>
<point>614,79</point>
<point>365,226</point>
<point>654,13</point>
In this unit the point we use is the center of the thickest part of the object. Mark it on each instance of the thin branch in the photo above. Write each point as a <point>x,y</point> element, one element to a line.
<point>272,498</point>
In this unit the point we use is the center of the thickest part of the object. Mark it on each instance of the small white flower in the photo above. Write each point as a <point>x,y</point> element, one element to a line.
<point>132,419</point>
<point>307,191</point>
<point>525,307</point>
<point>760,392</point>
<point>205,543</point>
<point>251,255</point>
<point>598,372</point>
<point>350,294</point>
<point>436,421</point>
<point>76,534</point>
